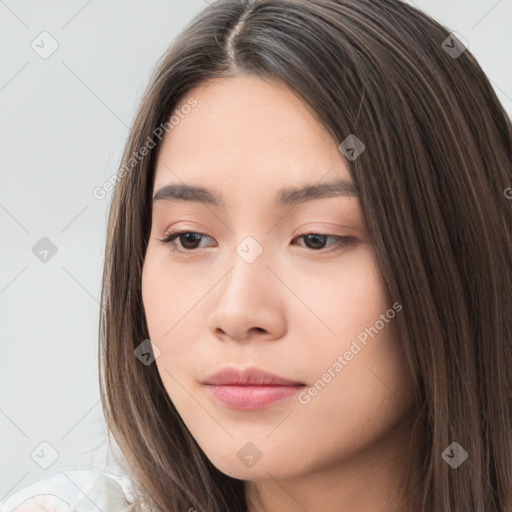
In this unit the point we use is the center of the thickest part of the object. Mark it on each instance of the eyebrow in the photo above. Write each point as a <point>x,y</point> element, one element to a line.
<point>285,197</point>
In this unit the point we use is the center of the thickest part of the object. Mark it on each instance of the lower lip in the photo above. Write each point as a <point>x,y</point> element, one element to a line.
<point>251,397</point>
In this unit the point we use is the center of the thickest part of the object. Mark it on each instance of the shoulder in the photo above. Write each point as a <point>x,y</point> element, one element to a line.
<point>72,491</point>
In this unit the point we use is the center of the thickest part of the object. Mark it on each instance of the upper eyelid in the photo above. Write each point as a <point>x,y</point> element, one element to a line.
<point>172,231</point>
<point>352,225</point>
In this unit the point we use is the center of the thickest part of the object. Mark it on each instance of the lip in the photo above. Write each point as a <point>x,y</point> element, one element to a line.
<point>251,376</point>
<point>250,388</point>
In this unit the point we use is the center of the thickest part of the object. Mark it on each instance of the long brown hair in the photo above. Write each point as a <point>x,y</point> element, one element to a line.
<point>432,183</point>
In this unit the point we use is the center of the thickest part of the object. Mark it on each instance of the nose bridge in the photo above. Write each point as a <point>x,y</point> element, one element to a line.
<point>243,301</point>
<point>249,269</point>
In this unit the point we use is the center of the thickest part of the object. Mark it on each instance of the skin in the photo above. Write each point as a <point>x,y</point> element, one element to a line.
<point>43,503</point>
<point>291,311</point>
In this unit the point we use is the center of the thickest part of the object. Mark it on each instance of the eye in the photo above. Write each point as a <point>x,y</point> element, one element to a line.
<point>188,240</point>
<point>314,241</point>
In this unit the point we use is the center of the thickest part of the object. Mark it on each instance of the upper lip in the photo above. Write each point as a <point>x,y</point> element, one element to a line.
<point>249,376</point>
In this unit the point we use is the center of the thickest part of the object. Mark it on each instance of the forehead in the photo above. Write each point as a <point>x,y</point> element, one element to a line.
<point>247,132</point>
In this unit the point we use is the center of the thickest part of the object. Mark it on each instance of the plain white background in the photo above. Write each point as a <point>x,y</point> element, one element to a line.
<point>63,124</point>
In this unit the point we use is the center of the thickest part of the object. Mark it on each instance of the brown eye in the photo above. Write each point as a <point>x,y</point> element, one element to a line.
<point>316,242</point>
<point>188,240</point>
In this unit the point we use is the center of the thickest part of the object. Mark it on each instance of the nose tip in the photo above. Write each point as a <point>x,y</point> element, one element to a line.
<point>239,336</point>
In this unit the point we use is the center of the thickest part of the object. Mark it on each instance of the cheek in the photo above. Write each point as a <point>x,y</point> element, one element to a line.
<point>344,300</point>
<point>167,295</point>
<point>355,399</point>
<point>175,314</point>
<point>371,390</point>
<point>347,410</point>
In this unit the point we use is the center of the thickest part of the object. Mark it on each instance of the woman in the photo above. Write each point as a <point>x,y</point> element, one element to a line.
<point>271,95</point>
<point>247,364</point>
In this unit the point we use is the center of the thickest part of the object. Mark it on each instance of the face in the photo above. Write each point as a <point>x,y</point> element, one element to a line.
<point>260,280</point>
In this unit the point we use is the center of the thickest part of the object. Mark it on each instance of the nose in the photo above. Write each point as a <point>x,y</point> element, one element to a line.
<point>248,303</point>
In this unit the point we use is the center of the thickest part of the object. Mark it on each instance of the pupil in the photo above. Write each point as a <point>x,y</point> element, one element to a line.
<point>316,238</point>
<point>190,235</point>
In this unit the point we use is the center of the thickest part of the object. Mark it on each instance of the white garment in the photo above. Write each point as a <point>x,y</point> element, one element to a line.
<point>73,491</point>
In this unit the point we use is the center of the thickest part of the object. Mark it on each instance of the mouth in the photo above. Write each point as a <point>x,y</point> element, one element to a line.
<point>250,389</point>
<point>251,397</point>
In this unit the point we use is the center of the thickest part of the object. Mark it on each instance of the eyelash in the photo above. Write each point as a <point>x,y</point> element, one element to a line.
<point>343,241</point>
